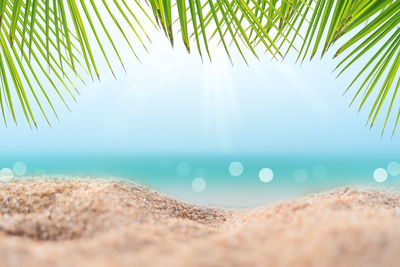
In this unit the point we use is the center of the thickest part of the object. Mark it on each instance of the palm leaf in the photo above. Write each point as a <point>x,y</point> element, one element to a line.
<point>371,31</point>
<point>63,34</point>
<point>36,33</point>
<point>382,67</point>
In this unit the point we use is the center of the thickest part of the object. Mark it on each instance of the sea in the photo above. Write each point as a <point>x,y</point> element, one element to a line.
<point>234,181</point>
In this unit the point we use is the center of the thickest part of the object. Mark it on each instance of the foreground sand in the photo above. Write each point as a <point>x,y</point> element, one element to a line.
<point>85,223</point>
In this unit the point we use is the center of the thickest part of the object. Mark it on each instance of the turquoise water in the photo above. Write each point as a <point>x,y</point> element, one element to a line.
<point>174,175</point>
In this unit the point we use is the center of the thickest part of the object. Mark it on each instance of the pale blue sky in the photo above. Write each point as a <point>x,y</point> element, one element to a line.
<point>172,103</point>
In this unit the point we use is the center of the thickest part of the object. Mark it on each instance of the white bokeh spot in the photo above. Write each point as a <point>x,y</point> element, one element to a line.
<point>236,168</point>
<point>6,175</point>
<point>380,175</point>
<point>20,169</point>
<point>199,185</point>
<point>393,168</point>
<point>266,175</point>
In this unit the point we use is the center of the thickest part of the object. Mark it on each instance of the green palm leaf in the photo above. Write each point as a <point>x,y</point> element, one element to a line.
<point>60,34</point>
<point>367,25</point>
<point>59,37</point>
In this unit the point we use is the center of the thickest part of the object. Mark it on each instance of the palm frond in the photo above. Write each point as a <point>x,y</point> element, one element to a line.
<point>59,38</point>
<point>379,40</point>
<point>63,35</point>
<point>371,30</point>
<point>55,37</point>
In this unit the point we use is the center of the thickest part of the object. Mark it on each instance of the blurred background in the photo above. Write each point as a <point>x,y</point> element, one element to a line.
<point>212,134</point>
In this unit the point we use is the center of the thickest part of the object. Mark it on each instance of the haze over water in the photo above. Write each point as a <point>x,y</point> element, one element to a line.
<point>181,131</point>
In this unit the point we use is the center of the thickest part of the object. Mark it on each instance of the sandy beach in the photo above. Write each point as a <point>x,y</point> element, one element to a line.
<point>104,223</point>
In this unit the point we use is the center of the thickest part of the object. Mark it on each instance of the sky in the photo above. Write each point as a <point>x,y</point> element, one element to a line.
<point>173,103</point>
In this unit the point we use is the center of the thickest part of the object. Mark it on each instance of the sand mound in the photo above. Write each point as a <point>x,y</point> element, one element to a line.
<point>58,210</point>
<point>92,223</point>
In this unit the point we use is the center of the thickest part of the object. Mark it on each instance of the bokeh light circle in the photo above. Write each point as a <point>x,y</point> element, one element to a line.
<point>236,168</point>
<point>300,175</point>
<point>183,168</point>
<point>199,184</point>
<point>380,175</point>
<point>20,169</point>
<point>393,168</point>
<point>6,174</point>
<point>319,172</point>
<point>266,175</point>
